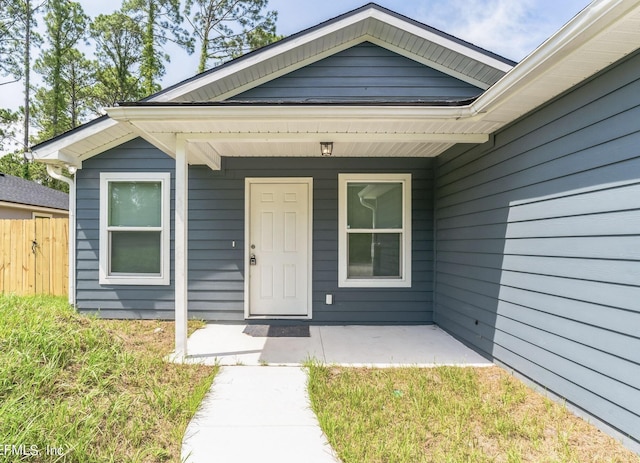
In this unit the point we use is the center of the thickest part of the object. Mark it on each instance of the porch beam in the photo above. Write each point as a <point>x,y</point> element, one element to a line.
<point>181,254</point>
<point>341,137</point>
<point>177,113</point>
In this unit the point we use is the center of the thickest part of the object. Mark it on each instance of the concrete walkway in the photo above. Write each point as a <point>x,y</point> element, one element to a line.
<point>256,414</point>
<point>259,413</point>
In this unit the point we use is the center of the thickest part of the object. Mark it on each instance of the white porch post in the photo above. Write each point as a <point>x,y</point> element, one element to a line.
<point>181,250</point>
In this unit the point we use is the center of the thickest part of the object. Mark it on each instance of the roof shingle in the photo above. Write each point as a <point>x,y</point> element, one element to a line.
<point>21,191</point>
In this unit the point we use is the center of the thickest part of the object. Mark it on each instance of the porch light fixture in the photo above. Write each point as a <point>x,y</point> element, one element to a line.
<point>326,148</point>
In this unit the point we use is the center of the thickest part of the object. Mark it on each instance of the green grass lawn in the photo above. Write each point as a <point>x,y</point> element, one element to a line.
<point>98,389</point>
<point>448,414</point>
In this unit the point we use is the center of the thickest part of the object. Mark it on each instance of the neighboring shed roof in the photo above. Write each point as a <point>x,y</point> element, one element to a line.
<point>21,191</point>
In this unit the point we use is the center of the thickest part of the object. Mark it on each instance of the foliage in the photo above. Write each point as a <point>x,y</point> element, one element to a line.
<point>18,37</point>
<point>15,164</point>
<point>90,386</point>
<point>72,101</point>
<point>229,28</point>
<point>160,20</point>
<point>449,414</point>
<point>16,17</point>
<point>118,40</point>
<point>129,50</point>
<point>8,119</point>
<point>66,25</point>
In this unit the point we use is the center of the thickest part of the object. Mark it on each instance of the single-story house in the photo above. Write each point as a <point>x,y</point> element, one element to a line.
<point>373,169</point>
<point>24,199</point>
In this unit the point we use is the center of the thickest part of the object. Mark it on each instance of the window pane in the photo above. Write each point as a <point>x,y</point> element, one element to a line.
<point>374,255</point>
<point>135,252</point>
<point>135,204</point>
<point>374,205</point>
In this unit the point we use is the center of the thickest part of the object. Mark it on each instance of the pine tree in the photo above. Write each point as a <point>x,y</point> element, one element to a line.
<point>161,22</point>
<point>66,25</point>
<point>118,40</point>
<point>229,28</point>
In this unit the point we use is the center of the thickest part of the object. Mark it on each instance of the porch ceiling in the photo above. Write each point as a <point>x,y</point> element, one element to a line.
<point>210,132</point>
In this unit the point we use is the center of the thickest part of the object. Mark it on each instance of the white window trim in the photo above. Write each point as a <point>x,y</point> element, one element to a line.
<point>405,280</point>
<point>135,279</point>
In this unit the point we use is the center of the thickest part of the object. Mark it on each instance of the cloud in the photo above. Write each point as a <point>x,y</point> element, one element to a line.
<point>507,27</point>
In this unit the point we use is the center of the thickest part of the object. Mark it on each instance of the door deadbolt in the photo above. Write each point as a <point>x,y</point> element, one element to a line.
<point>252,259</point>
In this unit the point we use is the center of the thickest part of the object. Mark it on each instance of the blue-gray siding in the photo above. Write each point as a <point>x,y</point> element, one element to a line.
<point>216,219</point>
<point>112,300</point>
<point>538,246</point>
<point>363,72</point>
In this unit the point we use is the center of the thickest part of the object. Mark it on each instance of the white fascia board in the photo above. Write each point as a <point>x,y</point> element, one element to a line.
<point>347,137</point>
<point>59,158</point>
<point>53,150</point>
<point>282,112</point>
<point>440,40</point>
<point>585,26</point>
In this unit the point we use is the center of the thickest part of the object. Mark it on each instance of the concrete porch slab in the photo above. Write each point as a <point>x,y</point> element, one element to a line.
<point>352,345</point>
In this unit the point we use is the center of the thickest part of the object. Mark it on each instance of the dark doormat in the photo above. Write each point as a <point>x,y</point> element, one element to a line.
<point>277,331</point>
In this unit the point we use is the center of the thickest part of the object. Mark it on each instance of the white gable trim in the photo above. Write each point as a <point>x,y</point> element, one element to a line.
<point>368,21</point>
<point>440,40</point>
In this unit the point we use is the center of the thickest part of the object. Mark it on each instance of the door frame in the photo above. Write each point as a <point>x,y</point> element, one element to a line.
<point>247,227</point>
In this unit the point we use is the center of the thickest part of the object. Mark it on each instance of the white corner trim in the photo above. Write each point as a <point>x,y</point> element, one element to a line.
<point>105,278</point>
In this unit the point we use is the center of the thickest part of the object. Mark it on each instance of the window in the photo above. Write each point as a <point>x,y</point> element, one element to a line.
<point>374,226</point>
<point>134,228</point>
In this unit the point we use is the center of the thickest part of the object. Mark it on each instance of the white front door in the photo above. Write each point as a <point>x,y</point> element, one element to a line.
<point>278,247</point>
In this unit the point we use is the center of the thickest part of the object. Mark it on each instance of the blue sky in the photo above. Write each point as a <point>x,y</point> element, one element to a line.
<point>512,28</point>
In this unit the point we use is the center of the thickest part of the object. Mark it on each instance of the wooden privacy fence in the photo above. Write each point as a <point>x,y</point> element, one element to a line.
<point>34,256</point>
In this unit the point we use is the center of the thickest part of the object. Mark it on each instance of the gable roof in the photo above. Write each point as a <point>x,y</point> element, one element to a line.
<point>20,191</point>
<point>601,34</point>
<point>370,23</point>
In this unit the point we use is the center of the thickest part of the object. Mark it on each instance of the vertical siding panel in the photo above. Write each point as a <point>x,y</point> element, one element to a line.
<point>536,238</point>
